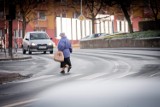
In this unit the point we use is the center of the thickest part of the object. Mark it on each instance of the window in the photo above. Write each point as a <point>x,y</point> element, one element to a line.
<point>57,14</point>
<point>34,36</point>
<point>61,15</point>
<point>64,15</point>
<point>76,15</point>
<point>18,34</point>
<point>41,15</point>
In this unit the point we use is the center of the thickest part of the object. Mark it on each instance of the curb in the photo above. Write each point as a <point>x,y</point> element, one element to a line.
<point>16,58</point>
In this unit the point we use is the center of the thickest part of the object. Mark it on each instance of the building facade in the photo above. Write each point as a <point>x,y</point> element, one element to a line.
<point>54,18</point>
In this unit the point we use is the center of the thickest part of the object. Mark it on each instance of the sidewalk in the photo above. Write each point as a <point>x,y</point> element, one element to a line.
<point>16,56</point>
<point>6,76</point>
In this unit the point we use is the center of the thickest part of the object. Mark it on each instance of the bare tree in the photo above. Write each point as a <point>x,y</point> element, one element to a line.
<point>93,7</point>
<point>155,8</point>
<point>26,9</point>
<point>125,6</point>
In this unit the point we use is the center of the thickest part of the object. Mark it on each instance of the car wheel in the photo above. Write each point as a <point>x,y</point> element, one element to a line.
<point>24,51</point>
<point>51,52</point>
<point>44,52</point>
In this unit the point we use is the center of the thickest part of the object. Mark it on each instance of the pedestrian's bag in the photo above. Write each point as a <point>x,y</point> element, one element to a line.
<point>58,56</point>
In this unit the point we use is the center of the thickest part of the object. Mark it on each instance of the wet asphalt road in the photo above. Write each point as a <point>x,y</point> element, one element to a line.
<point>98,78</point>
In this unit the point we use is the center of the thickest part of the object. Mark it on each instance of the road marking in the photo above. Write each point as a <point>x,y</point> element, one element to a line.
<point>122,65</point>
<point>116,69</point>
<point>116,66</point>
<point>125,75</point>
<point>119,67</point>
<point>33,63</point>
<point>48,78</point>
<point>93,76</point>
<point>125,67</point>
<point>34,79</point>
<point>63,77</point>
<point>154,74</point>
<point>21,103</point>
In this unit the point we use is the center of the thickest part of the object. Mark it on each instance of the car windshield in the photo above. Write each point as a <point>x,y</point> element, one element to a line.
<point>34,36</point>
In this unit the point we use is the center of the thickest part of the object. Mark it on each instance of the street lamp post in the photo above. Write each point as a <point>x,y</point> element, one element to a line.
<point>81,18</point>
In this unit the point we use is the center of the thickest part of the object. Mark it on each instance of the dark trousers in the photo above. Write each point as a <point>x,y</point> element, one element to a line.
<point>66,62</point>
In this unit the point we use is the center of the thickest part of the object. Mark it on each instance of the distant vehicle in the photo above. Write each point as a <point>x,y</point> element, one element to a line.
<point>37,41</point>
<point>96,35</point>
<point>86,37</point>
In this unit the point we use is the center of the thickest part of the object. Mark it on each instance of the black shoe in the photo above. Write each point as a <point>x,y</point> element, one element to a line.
<point>62,72</point>
<point>69,68</point>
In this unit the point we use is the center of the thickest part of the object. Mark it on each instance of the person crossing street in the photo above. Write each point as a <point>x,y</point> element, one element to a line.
<point>65,46</point>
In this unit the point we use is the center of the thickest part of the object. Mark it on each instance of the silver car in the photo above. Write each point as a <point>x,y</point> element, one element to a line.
<point>37,42</point>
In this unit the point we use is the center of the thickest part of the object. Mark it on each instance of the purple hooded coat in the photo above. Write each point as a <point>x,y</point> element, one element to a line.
<point>64,45</point>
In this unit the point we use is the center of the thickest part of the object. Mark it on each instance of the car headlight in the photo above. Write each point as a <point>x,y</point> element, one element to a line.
<point>50,43</point>
<point>33,44</point>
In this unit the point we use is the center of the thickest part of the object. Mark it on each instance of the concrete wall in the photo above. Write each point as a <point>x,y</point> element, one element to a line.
<point>116,43</point>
